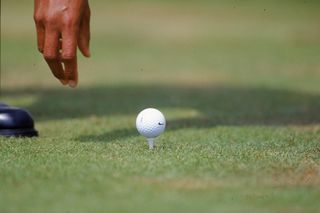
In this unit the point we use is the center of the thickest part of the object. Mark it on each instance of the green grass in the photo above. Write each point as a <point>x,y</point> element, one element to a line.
<point>237,80</point>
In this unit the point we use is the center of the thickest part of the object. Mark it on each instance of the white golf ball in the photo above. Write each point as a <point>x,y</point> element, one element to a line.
<point>150,123</point>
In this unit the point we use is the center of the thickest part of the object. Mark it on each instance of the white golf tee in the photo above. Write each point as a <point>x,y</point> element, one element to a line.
<point>151,142</point>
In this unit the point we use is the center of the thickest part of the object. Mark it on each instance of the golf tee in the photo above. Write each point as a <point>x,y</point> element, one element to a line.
<point>151,143</point>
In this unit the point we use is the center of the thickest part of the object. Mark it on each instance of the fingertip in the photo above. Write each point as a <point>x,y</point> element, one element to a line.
<point>84,50</point>
<point>72,84</point>
<point>87,54</point>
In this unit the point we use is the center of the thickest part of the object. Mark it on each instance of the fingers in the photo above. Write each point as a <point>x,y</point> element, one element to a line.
<point>72,25</point>
<point>51,54</point>
<point>71,71</point>
<point>84,34</point>
<point>68,55</point>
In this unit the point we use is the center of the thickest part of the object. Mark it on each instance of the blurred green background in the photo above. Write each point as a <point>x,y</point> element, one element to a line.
<point>264,43</point>
<point>239,82</point>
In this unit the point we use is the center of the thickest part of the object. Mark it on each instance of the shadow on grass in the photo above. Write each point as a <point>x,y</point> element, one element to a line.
<point>218,105</point>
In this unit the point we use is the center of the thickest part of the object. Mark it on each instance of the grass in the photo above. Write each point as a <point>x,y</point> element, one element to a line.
<point>237,81</point>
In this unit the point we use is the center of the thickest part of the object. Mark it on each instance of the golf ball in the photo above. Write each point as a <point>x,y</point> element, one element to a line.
<point>150,123</point>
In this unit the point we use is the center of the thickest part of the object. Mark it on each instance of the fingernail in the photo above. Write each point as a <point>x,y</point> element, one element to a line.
<point>72,83</point>
<point>88,54</point>
<point>64,82</point>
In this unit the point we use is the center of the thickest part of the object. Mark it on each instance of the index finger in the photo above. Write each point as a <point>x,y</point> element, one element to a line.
<point>71,71</point>
<point>51,54</point>
<point>69,57</point>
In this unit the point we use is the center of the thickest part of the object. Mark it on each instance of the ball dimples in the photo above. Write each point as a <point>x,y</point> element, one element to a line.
<point>150,123</point>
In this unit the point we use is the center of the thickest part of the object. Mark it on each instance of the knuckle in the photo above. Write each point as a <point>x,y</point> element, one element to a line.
<point>70,23</point>
<point>37,18</point>
<point>50,20</point>
<point>50,56</point>
<point>68,56</point>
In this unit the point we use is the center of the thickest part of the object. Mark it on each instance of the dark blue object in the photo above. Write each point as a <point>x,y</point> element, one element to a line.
<point>16,122</point>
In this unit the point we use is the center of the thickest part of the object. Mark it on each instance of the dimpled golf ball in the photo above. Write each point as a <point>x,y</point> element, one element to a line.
<point>150,123</point>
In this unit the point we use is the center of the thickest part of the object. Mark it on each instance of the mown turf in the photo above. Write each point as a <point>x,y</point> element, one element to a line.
<point>237,81</point>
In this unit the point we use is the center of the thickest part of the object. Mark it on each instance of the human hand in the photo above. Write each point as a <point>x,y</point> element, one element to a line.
<point>62,26</point>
